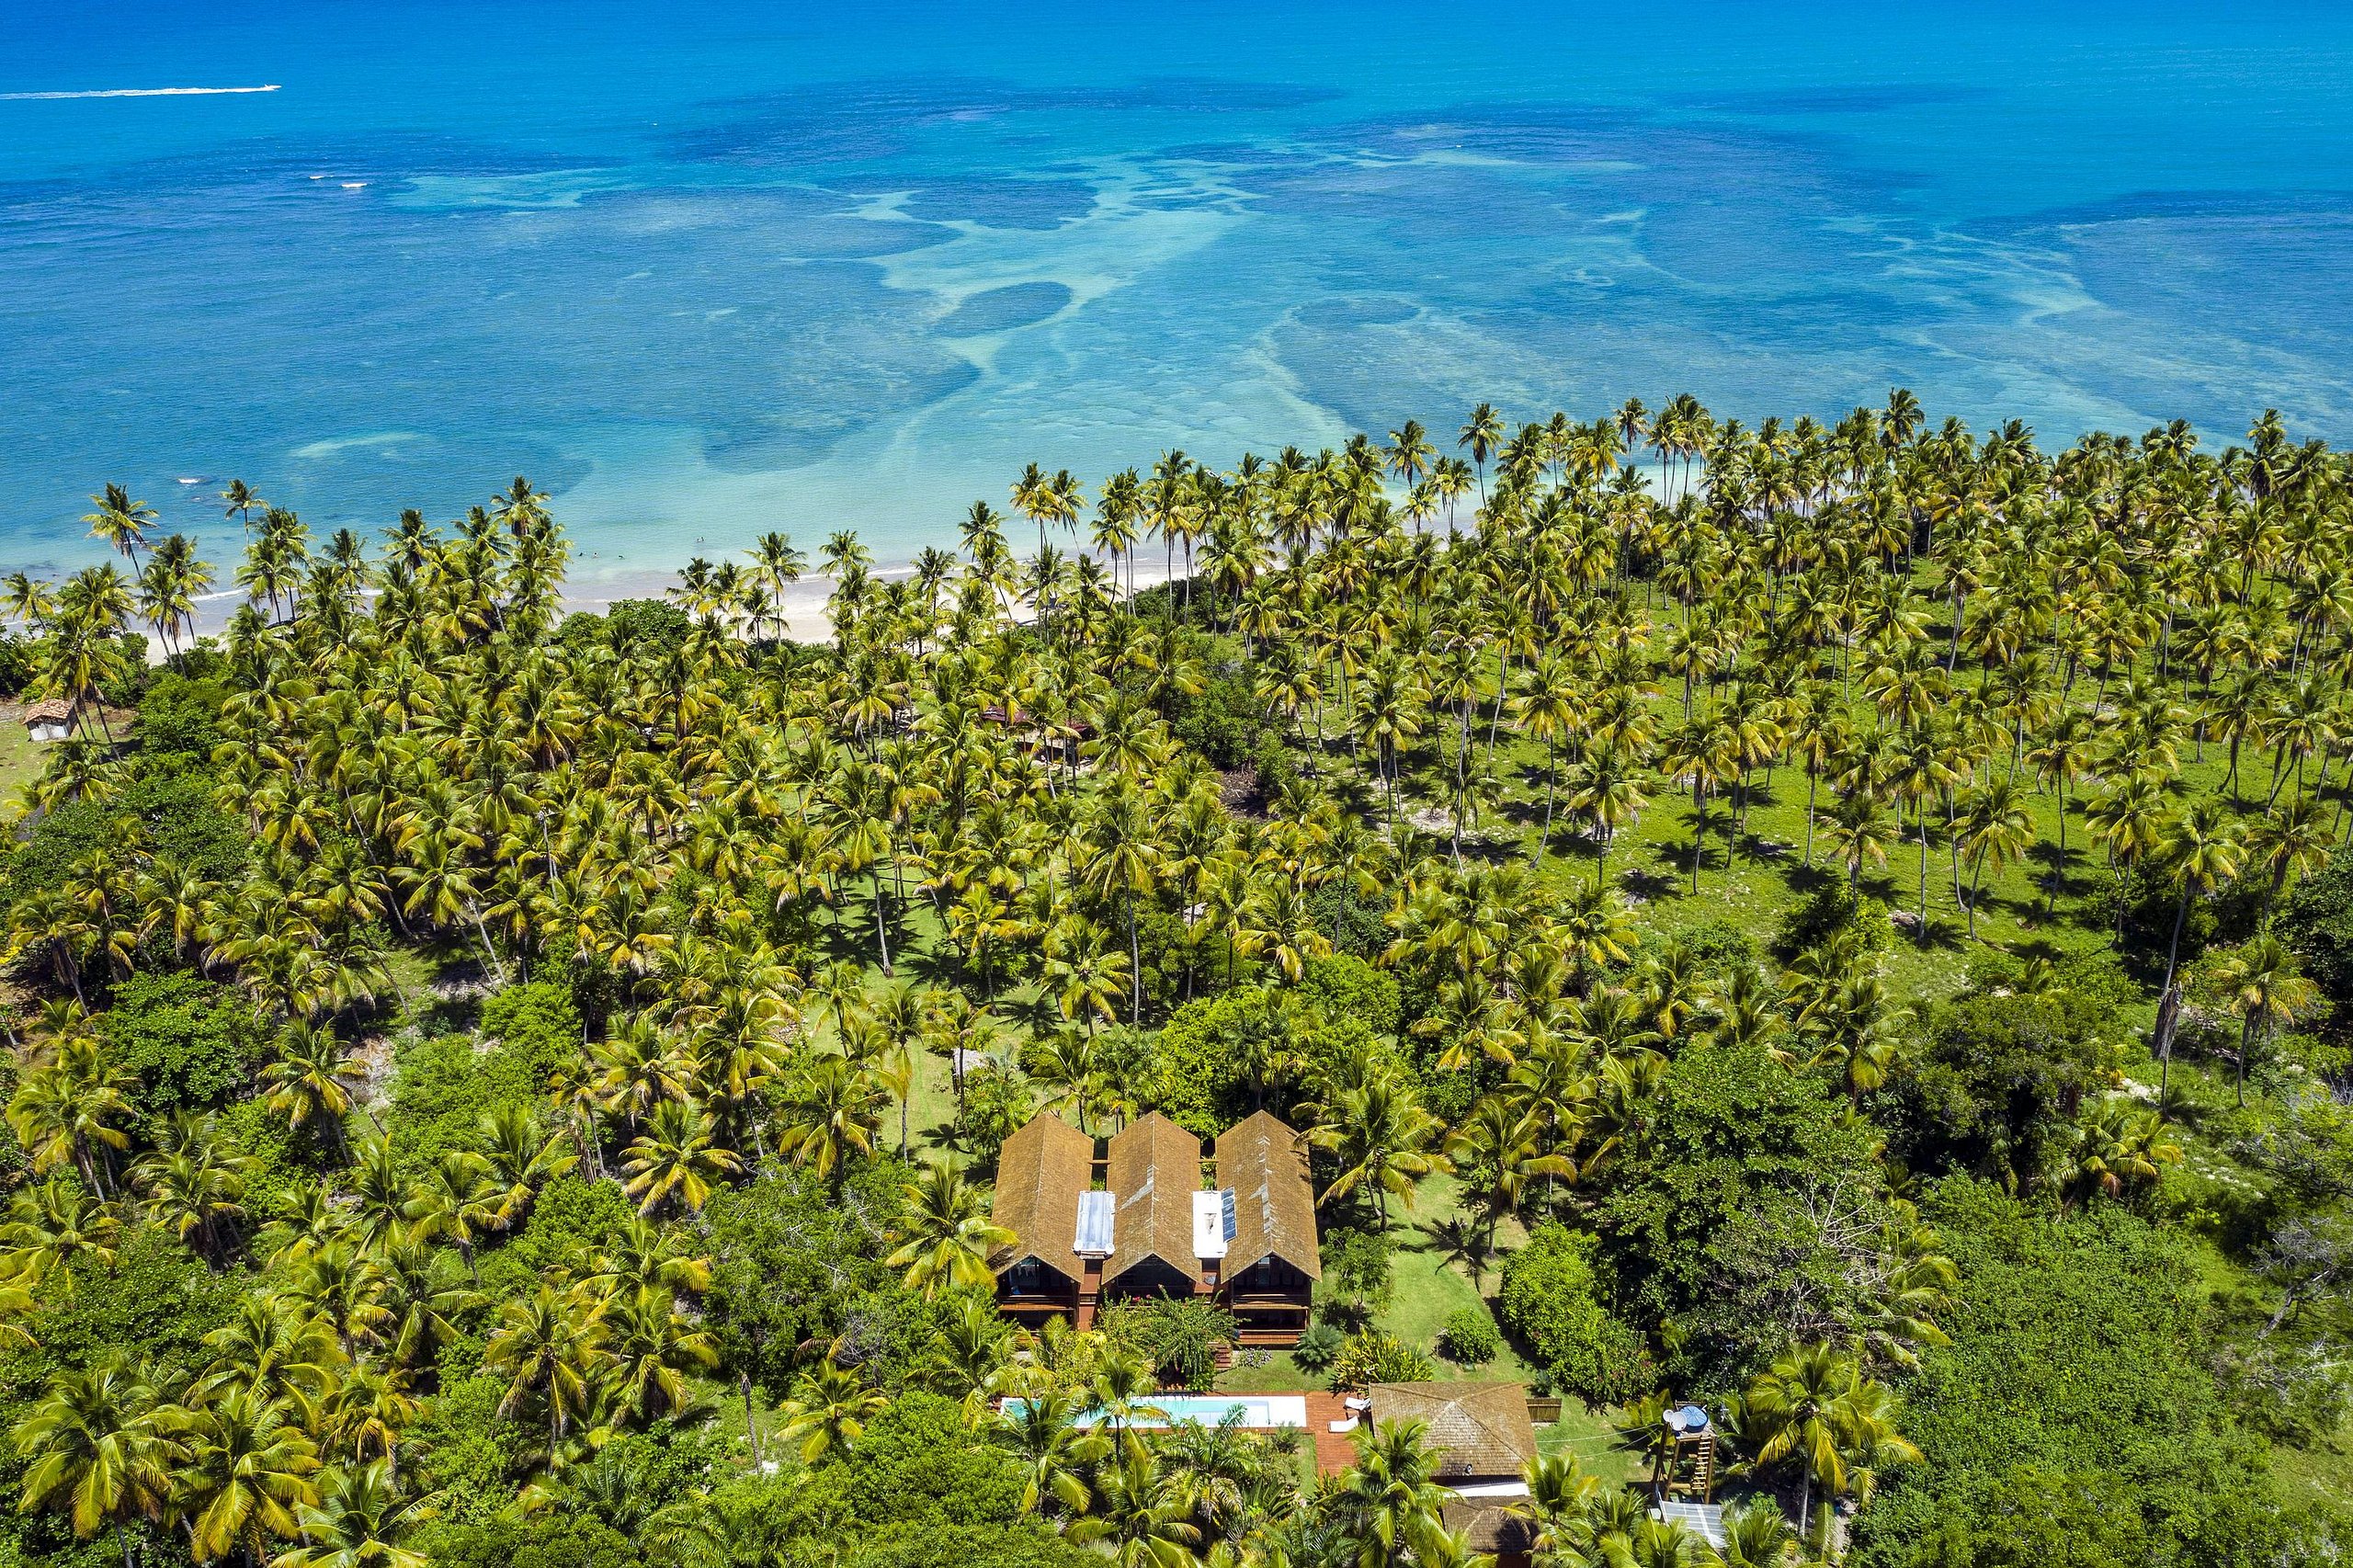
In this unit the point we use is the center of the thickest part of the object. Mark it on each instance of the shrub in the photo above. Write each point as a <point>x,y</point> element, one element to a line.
<point>1320,1346</point>
<point>1469,1338</point>
<point>1354,924</point>
<point>180,718</point>
<point>2074,1417</point>
<point>1344,986</point>
<point>1372,1357</point>
<point>1202,1052</point>
<point>1223,723</point>
<point>446,1085</point>
<point>1177,1339</point>
<point>176,813</point>
<point>1713,1222</point>
<point>648,629</point>
<point>535,1023</point>
<point>192,1042</point>
<point>2316,920</point>
<point>1355,1274</point>
<point>1550,1305</point>
<point>16,663</point>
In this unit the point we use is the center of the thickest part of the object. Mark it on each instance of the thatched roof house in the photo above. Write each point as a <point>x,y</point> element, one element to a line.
<point>1040,1175</point>
<point>1260,1162</point>
<point>1155,1168</point>
<point>1481,1430</point>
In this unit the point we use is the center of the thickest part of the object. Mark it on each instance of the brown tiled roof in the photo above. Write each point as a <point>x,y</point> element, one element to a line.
<point>48,709</point>
<point>1274,1207</point>
<point>1480,1429</point>
<point>1491,1527</point>
<point>1156,1170</point>
<point>1040,1174</point>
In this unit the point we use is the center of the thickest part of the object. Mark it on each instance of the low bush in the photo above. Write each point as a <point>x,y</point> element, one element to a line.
<point>1469,1338</point>
<point>1372,1357</point>
<point>1549,1303</point>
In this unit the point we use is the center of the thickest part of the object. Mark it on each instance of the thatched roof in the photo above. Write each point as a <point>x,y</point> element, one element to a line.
<point>1274,1207</point>
<point>1479,1428</point>
<point>1156,1170</point>
<point>1491,1527</point>
<point>1040,1174</point>
<point>49,710</point>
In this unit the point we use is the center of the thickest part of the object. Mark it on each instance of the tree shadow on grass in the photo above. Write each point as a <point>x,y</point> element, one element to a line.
<point>1461,1240</point>
<point>1649,886</point>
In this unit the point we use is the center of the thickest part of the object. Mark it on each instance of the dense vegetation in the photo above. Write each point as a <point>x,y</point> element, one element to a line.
<point>1844,930</point>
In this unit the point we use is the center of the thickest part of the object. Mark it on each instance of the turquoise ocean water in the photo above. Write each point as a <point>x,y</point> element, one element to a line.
<point>706,269</point>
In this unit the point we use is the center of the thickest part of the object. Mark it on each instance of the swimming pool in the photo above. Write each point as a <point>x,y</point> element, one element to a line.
<point>1259,1412</point>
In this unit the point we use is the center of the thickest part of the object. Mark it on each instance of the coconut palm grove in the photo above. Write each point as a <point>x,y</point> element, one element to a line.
<point>1809,959</point>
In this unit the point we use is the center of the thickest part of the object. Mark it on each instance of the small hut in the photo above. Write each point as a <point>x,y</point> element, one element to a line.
<point>1481,1430</point>
<point>51,718</point>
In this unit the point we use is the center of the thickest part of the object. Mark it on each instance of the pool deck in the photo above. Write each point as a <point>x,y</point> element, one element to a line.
<point>1333,1451</point>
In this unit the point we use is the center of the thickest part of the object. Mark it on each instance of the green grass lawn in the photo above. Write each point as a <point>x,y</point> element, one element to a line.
<point>1441,1266</point>
<point>20,762</point>
<point>1756,889</point>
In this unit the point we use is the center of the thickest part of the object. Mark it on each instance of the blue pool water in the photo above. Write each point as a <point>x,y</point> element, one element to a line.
<point>708,268</point>
<point>1259,1412</point>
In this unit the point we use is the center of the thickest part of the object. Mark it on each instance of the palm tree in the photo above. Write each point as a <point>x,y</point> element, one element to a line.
<point>1139,1514</point>
<point>2200,850</point>
<point>676,1156</point>
<point>1995,830</point>
<point>312,1078</point>
<point>1504,1144</point>
<point>245,1467</point>
<point>948,1235</point>
<point>358,1521</point>
<point>1757,1535</point>
<point>2118,1146</point>
<point>549,1347</point>
<point>1119,854</point>
<point>833,1109</point>
<point>1483,433</point>
<point>56,1227</point>
<point>653,1347</point>
<point>1391,1504</point>
<point>829,1409</point>
<point>1058,1454</point>
<point>1798,1407</point>
<point>2288,842</point>
<point>94,1447</point>
<point>121,521</point>
<point>2267,992</point>
<point>1382,1135</point>
<point>1858,832</point>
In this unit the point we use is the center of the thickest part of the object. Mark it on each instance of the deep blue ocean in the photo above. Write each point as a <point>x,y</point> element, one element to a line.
<point>705,269</point>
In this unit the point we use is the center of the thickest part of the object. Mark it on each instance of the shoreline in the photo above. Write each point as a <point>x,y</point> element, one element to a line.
<point>801,605</point>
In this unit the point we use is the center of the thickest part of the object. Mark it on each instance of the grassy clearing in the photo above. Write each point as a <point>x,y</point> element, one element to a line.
<point>2043,904</point>
<point>20,760</point>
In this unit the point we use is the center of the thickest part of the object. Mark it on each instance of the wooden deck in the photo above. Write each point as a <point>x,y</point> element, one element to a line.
<point>1333,1451</point>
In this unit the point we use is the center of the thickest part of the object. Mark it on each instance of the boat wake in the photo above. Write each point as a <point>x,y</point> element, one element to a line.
<point>139,93</point>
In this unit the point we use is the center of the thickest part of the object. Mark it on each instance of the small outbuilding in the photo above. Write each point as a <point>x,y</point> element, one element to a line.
<point>1481,1430</point>
<point>51,718</point>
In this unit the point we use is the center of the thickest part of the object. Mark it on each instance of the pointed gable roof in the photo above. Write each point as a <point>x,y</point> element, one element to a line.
<point>1040,1174</point>
<point>1155,1169</point>
<point>1260,1161</point>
